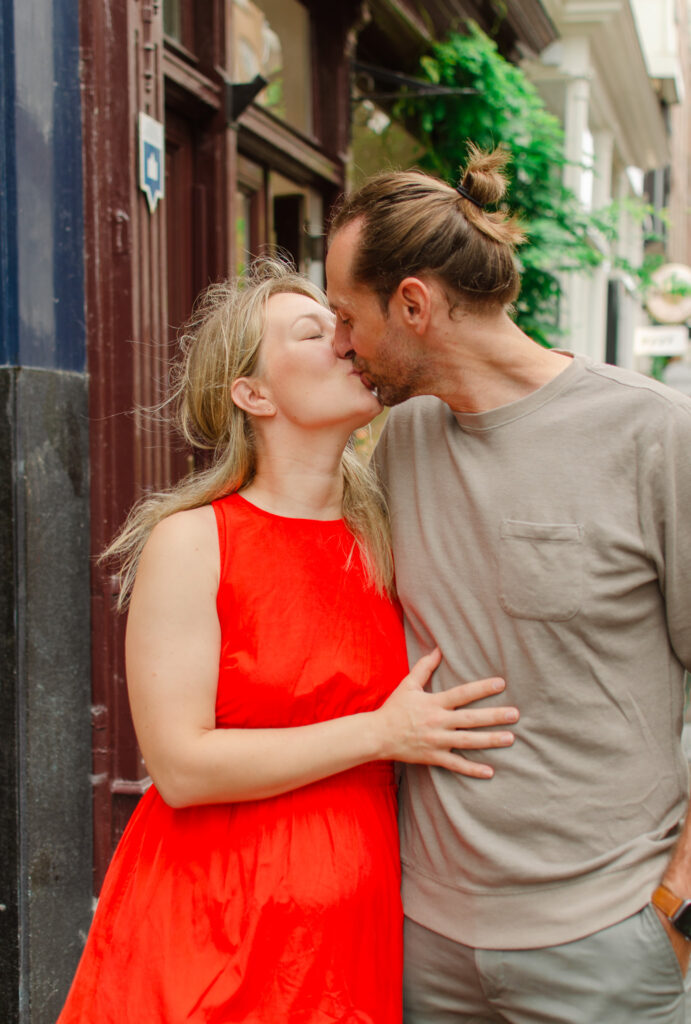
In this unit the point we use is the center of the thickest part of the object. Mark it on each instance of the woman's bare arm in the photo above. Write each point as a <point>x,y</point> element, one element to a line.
<point>173,649</point>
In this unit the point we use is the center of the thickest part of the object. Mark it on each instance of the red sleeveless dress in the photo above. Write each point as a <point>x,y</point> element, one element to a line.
<point>278,910</point>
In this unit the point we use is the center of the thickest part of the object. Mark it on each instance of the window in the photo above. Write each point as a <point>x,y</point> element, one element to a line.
<point>297,225</point>
<point>272,38</point>
<point>178,23</point>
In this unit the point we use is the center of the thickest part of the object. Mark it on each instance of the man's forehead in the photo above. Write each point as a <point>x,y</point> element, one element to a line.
<point>338,289</point>
<point>341,248</point>
<point>345,241</point>
<point>344,297</point>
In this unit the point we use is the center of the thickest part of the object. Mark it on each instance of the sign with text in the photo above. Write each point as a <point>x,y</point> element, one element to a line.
<point>151,157</point>
<point>661,341</point>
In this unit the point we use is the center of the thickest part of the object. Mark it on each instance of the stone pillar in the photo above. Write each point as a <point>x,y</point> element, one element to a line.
<point>45,805</point>
<point>576,65</point>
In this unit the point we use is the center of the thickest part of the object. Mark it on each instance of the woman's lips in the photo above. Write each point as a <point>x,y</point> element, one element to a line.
<point>368,383</point>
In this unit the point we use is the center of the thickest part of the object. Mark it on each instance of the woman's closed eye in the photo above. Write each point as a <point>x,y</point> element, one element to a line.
<point>312,329</point>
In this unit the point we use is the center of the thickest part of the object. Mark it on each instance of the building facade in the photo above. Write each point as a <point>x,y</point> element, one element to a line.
<point>45,803</point>
<point>97,274</point>
<point>616,78</point>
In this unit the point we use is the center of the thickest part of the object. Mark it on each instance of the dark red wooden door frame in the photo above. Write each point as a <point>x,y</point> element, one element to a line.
<point>135,299</point>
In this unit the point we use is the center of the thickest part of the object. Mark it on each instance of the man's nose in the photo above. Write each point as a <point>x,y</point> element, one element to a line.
<point>341,342</point>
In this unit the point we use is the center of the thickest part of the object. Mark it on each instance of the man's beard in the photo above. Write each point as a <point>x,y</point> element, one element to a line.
<point>393,385</point>
<point>396,379</point>
<point>393,394</point>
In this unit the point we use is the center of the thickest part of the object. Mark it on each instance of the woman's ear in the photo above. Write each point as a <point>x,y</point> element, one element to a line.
<point>249,394</point>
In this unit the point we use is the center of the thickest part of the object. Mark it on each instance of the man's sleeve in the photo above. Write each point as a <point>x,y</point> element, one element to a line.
<point>665,509</point>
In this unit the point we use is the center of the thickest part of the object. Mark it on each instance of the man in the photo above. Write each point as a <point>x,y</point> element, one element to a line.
<point>539,507</point>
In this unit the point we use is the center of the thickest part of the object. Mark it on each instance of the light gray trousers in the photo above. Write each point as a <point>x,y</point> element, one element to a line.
<point>625,974</point>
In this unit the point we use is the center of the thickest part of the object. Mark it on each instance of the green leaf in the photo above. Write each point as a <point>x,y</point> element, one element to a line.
<point>508,110</point>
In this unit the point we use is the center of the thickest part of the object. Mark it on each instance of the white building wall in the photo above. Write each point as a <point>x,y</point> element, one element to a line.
<point>597,80</point>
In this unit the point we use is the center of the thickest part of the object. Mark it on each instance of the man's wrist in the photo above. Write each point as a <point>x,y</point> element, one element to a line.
<point>675,908</point>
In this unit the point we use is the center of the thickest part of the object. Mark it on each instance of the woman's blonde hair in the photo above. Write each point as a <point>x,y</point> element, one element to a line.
<point>412,223</point>
<point>220,343</point>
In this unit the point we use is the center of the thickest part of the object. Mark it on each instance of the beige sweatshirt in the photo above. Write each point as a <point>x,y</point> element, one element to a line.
<point>549,542</point>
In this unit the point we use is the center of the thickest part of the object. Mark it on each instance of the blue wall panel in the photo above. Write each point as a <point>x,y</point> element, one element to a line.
<point>8,192</point>
<point>44,292</point>
<point>68,221</point>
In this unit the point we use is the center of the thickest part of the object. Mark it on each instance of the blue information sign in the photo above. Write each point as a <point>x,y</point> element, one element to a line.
<point>151,158</point>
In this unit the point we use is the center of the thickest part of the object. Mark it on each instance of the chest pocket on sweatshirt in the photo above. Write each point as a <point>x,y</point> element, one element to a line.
<point>540,570</point>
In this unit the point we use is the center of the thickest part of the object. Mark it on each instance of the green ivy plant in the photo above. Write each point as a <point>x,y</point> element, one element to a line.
<point>643,214</point>
<point>507,110</point>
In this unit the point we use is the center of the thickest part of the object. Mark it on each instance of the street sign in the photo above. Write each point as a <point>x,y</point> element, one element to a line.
<point>151,159</point>
<point>661,341</point>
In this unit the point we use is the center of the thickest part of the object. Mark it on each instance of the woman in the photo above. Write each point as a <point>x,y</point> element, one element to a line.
<point>258,878</point>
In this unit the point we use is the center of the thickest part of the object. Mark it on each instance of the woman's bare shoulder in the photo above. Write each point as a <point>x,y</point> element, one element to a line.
<point>191,533</point>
